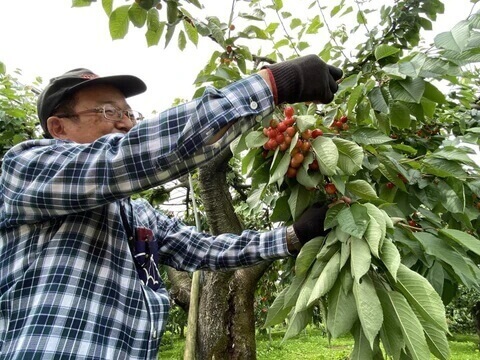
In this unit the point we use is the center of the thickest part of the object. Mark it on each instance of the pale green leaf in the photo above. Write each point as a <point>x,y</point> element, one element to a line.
<point>455,40</point>
<point>326,280</point>
<point>350,156</point>
<point>400,115</point>
<point>277,312</point>
<point>373,236</point>
<point>298,200</point>
<point>422,296</point>
<point>353,220</point>
<point>297,323</point>
<point>342,310</point>
<point>369,136</point>
<point>408,90</point>
<point>368,307</point>
<point>118,22</point>
<point>255,139</point>
<point>362,189</point>
<point>460,237</point>
<point>326,153</point>
<point>307,255</point>
<point>384,51</point>
<point>281,169</point>
<point>390,257</point>
<point>360,258</point>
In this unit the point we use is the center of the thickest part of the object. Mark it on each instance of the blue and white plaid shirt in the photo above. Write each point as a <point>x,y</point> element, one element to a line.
<point>69,287</point>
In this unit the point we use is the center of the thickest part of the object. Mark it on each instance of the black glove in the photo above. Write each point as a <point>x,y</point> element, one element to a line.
<point>311,223</point>
<point>306,78</point>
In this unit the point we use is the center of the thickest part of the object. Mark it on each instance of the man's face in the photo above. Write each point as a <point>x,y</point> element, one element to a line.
<point>88,127</point>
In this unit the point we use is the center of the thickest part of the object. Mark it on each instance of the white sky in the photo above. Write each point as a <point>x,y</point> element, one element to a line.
<point>47,37</point>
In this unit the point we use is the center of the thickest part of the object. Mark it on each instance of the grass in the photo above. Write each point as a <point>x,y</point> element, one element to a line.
<point>312,344</point>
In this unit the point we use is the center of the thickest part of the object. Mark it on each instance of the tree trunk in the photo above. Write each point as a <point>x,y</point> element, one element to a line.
<point>226,327</point>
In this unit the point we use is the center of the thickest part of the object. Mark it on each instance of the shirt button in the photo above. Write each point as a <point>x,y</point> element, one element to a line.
<point>253,105</point>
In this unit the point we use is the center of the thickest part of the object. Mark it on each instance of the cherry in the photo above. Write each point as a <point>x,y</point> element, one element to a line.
<point>344,119</point>
<point>291,172</point>
<point>289,111</point>
<point>313,165</point>
<point>316,133</point>
<point>390,185</point>
<point>297,160</point>
<point>330,188</point>
<point>282,127</point>
<point>291,131</point>
<point>289,121</point>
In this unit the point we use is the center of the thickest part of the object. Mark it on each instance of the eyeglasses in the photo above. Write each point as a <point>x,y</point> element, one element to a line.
<point>110,113</point>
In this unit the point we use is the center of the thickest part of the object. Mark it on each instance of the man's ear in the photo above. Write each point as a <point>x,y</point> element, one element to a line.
<point>56,127</point>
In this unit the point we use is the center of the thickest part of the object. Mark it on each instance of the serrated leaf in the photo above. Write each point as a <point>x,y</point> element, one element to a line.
<point>383,51</point>
<point>277,312</point>
<point>298,200</point>
<point>422,296</point>
<point>373,236</point>
<point>362,189</point>
<point>390,256</point>
<point>182,40</point>
<point>368,136</point>
<point>408,90</point>
<point>342,310</point>
<point>411,327</point>
<point>455,40</point>
<point>137,15</point>
<point>378,101</point>
<point>399,115</point>
<point>281,169</point>
<point>326,153</point>
<point>350,156</point>
<point>460,237</point>
<point>331,216</point>
<point>353,220</point>
<point>118,22</point>
<point>326,280</point>
<point>360,258</point>
<point>191,31</point>
<point>368,307</point>
<point>297,323</point>
<point>307,255</point>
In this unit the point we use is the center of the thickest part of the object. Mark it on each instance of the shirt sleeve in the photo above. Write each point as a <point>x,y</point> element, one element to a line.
<point>184,248</point>
<point>49,178</point>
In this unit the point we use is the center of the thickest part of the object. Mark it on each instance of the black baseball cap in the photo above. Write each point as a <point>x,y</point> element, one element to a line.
<point>76,79</point>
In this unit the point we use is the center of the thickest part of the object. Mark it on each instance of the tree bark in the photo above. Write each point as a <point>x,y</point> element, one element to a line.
<point>226,320</point>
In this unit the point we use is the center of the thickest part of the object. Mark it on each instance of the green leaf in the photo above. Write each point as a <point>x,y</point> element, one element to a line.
<point>378,101</point>
<point>172,11</point>
<point>315,24</point>
<point>373,236</point>
<point>362,189</point>
<point>354,97</point>
<point>326,154</point>
<point>326,280</point>
<point>298,200</point>
<point>384,51</point>
<point>353,220</point>
<point>408,90</point>
<point>434,94</point>
<point>422,296</point>
<point>191,31</point>
<point>350,156</point>
<point>277,311</point>
<point>118,22</point>
<point>438,248</point>
<point>137,15</point>
<point>182,40</point>
<point>155,28</point>
<point>368,136</point>
<point>452,153</point>
<point>360,258</point>
<point>107,6</point>
<point>255,139</point>
<point>399,115</point>
<point>390,257</point>
<point>411,327</point>
<point>368,307</point>
<point>450,198</point>
<point>331,217</point>
<point>297,323</point>
<point>468,241</point>
<point>305,122</point>
<point>342,311</point>
<point>281,169</point>
<point>455,40</point>
<point>436,339</point>
<point>307,255</point>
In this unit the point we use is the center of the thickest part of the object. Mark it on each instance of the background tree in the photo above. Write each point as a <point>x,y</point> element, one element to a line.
<point>395,147</point>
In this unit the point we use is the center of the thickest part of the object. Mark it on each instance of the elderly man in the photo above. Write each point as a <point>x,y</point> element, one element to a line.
<point>78,256</point>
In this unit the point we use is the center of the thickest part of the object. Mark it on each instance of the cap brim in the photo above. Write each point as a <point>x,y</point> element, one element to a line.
<point>129,85</point>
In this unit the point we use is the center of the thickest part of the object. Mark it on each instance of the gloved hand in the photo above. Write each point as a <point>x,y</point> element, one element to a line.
<point>311,223</point>
<point>307,78</point>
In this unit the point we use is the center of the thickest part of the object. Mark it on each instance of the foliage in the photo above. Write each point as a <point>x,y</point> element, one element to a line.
<point>398,169</point>
<point>459,311</point>
<point>17,111</point>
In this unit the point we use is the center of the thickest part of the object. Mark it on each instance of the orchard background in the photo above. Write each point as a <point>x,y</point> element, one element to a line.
<point>394,155</point>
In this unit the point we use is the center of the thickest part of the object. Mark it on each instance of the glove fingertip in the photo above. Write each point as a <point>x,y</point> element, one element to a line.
<point>336,73</point>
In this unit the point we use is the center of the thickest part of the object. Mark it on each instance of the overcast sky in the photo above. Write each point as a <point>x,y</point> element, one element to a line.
<point>47,37</point>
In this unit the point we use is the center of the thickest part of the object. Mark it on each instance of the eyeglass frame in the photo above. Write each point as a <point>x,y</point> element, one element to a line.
<point>102,110</point>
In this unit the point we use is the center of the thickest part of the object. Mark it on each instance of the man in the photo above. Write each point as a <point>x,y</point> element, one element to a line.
<point>78,257</point>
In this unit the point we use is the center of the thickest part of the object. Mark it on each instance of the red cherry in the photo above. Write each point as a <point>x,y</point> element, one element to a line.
<point>390,185</point>
<point>289,121</point>
<point>289,111</point>
<point>291,131</point>
<point>316,133</point>
<point>282,127</point>
<point>344,119</point>
<point>330,189</point>
<point>313,165</point>
<point>291,172</point>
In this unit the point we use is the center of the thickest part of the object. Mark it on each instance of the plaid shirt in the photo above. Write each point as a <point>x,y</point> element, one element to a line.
<point>69,287</point>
